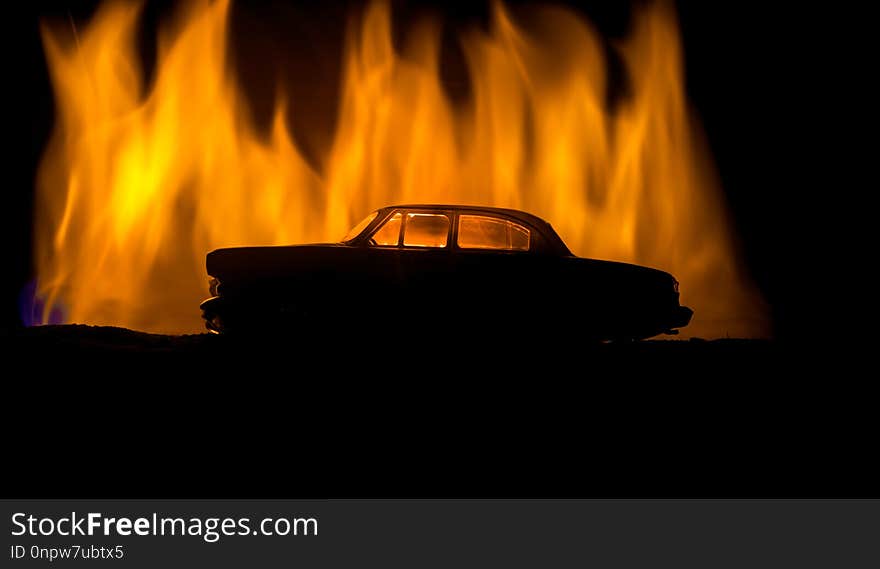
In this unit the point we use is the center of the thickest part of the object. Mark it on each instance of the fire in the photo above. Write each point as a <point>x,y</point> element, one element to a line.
<point>140,181</point>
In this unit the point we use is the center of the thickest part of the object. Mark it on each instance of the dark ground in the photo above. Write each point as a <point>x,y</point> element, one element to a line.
<point>107,411</point>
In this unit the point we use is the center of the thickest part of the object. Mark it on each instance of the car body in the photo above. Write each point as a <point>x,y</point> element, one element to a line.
<point>444,263</point>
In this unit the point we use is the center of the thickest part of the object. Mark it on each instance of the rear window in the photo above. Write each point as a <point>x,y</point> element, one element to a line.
<point>483,232</point>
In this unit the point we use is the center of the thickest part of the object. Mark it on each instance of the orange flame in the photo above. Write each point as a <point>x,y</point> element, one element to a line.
<point>139,183</point>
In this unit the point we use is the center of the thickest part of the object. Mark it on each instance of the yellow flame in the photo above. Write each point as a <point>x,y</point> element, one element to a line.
<point>139,183</point>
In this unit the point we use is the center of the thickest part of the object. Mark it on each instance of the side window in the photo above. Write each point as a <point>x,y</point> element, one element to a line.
<point>481,232</point>
<point>426,230</point>
<point>389,233</point>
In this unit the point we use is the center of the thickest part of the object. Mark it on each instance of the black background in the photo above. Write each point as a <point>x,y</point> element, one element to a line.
<point>757,75</point>
<point>760,76</point>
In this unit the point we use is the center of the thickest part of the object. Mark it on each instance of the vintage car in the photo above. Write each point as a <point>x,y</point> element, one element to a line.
<point>414,266</point>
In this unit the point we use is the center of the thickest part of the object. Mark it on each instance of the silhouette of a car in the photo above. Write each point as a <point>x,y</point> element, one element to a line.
<point>480,266</point>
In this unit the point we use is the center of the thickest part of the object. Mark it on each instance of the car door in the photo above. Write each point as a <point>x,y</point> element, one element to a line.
<point>407,258</point>
<point>425,257</point>
<point>496,270</point>
<point>383,278</point>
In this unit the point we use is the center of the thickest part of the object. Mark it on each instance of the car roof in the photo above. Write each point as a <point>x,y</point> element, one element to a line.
<point>551,238</point>
<point>514,213</point>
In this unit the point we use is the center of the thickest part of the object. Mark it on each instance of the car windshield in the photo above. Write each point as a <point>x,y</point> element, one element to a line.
<point>356,230</point>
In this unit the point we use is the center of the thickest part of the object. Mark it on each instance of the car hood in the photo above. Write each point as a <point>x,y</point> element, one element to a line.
<point>247,258</point>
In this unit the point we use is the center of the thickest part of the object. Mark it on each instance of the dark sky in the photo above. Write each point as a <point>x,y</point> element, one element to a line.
<point>746,74</point>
